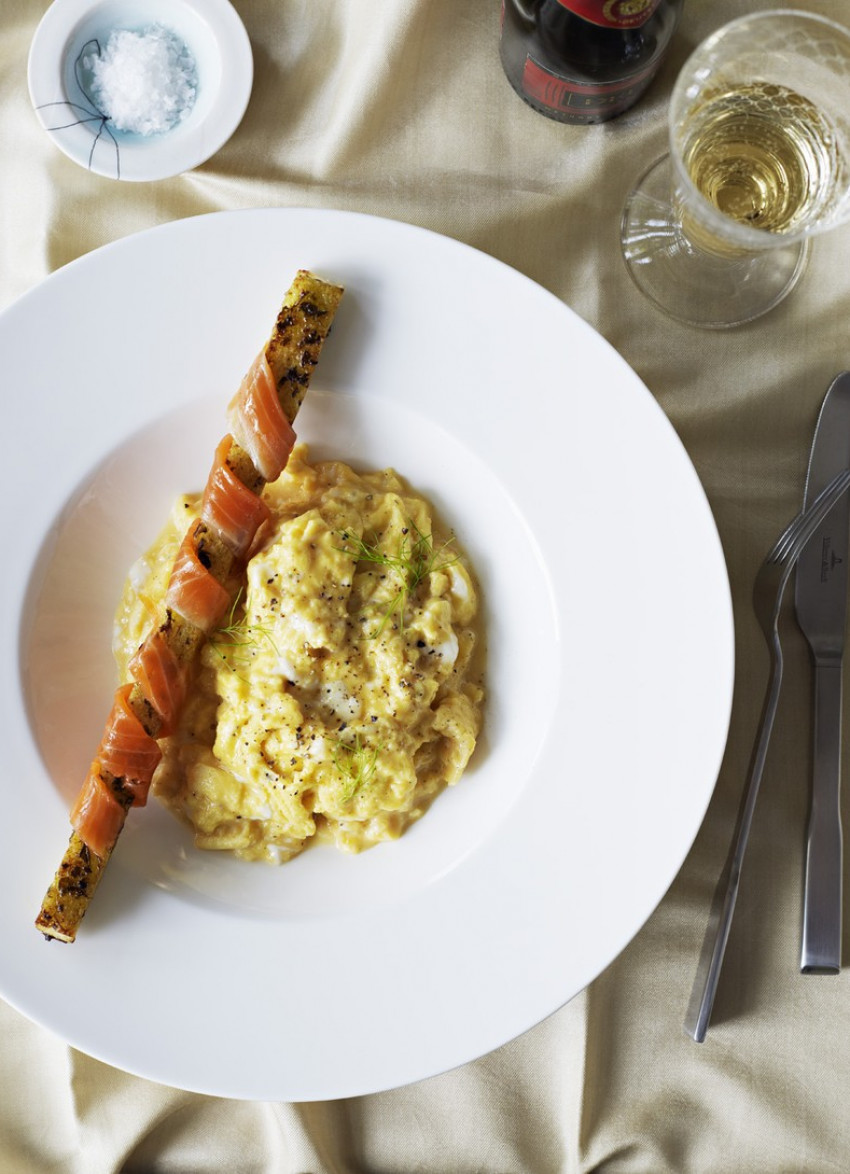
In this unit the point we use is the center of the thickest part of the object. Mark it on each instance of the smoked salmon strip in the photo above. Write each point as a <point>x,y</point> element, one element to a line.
<point>161,677</point>
<point>233,510</point>
<point>199,592</point>
<point>258,421</point>
<point>99,812</point>
<point>193,592</point>
<point>127,750</point>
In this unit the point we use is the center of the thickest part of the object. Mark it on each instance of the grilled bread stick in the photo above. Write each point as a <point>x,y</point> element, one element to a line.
<point>201,588</point>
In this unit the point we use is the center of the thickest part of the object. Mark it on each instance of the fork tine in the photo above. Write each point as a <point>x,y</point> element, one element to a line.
<point>797,534</point>
<point>823,503</point>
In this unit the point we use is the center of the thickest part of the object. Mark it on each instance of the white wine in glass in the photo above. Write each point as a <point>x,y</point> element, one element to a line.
<point>717,232</point>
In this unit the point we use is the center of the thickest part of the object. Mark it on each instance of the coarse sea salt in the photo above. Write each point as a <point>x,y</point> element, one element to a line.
<point>143,82</point>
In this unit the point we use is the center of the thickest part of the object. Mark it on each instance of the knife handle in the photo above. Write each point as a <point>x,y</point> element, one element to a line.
<point>822,890</point>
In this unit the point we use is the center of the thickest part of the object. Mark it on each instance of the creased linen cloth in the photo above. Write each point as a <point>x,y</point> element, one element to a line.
<point>400,109</point>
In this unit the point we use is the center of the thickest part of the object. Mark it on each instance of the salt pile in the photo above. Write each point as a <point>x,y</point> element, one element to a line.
<point>143,82</point>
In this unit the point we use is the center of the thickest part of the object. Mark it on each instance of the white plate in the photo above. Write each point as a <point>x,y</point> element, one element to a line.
<point>214,34</point>
<point>610,657</point>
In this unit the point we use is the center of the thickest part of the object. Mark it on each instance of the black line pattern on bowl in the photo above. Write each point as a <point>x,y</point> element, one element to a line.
<point>88,112</point>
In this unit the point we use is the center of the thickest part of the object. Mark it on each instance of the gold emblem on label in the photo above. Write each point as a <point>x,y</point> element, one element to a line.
<point>626,11</point>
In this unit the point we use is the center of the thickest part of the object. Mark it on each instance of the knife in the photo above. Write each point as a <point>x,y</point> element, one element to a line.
<point>821,604</point>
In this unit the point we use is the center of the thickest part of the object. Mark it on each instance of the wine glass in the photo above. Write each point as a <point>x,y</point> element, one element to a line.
<point>717,232</point>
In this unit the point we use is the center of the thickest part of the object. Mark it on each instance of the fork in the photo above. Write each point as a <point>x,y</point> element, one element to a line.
<point>768,590</point>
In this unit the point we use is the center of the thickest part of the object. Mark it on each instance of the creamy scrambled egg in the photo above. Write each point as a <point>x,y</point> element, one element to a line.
<point>342,693</point>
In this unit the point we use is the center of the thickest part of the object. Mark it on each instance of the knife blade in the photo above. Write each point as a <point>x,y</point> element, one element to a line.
<point>821,606</point>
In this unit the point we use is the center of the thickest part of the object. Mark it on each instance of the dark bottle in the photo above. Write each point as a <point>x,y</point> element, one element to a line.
<point>584,60</point>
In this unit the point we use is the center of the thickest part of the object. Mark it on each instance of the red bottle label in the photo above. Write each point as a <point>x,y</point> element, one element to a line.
<point>613,14</point>
<point>582,99</point>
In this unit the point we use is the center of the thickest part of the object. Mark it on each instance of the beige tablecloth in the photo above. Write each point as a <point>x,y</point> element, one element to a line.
<point>400,108</point>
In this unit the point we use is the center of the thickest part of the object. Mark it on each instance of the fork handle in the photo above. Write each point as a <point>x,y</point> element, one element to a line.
<point>726,894</point>
<point>822,889</point>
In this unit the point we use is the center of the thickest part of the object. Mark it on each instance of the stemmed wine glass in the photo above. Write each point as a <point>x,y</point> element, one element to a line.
<point>717,232</point>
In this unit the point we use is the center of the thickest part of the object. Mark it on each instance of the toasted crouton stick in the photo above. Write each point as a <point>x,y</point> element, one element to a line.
<point>201,587</point>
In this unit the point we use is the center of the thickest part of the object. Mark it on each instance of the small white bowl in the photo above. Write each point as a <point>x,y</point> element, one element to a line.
<point>216,38</point>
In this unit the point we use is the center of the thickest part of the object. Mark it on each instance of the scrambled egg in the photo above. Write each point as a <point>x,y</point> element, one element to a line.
<point>341,695</point>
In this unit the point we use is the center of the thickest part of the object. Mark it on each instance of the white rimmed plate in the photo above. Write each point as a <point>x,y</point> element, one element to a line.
<point>610,657</point>
<point>218,42</point>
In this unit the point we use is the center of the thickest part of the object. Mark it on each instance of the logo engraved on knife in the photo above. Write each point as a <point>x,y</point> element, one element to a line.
<point>829,560</point>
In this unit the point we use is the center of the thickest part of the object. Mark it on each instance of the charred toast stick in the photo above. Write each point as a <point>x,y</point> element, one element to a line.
<point>201,587</point>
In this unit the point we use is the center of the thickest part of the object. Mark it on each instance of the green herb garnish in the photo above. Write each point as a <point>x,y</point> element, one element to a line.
<point>238,633</point>
<point>356,763</point>
<point>414,560</point>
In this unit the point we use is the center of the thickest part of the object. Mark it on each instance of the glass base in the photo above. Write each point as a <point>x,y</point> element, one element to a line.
<point>693,285</point>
